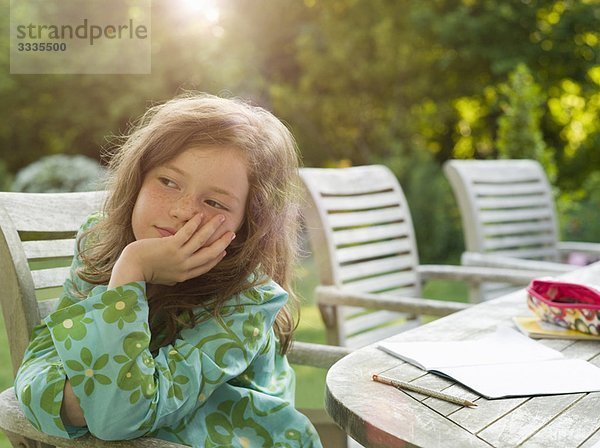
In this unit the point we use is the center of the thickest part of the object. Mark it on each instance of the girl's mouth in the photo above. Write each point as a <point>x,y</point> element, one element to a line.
<point>165,231</point>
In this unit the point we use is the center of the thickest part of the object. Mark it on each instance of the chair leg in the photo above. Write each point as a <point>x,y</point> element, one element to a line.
<point>18,441</point>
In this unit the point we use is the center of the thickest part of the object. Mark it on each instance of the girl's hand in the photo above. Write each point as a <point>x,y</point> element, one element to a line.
<point>172,259</point>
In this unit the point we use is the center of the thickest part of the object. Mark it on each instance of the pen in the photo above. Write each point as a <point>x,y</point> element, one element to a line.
<point>423,390</point>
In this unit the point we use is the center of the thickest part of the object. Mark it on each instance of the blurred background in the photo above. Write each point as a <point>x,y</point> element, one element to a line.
<point>406,83</point>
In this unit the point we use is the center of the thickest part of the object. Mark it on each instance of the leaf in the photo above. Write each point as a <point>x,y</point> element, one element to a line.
<point>178,392</point>
<point>88,388</point>
<point>77,380</point>
<point>102,379</point>
<point>74,365</point>
<point>134,397</point>
<point>25,395</point>
<point>101,362</point>
<point>121,359</point>
<point>181,379</point>
<point>86,356</point>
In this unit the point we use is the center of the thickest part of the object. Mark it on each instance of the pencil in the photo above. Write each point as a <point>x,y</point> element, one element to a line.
<point>423,390</point>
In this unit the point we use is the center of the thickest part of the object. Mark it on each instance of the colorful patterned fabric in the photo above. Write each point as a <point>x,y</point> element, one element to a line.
<point>220,384</point>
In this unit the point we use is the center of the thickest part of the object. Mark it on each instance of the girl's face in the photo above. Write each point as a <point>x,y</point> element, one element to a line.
<point>208,180</point>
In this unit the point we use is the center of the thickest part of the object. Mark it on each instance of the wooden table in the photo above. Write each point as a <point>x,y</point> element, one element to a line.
<point>377,415</point>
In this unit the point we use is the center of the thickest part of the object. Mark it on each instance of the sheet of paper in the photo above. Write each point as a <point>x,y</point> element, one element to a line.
<point>560,376</point>
<point>503,346</point>
<point>503,364</point>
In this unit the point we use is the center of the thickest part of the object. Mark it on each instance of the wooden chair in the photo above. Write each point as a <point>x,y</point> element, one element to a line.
<point>363,241</point>
<point>508,215</point>
<point>41,228</point>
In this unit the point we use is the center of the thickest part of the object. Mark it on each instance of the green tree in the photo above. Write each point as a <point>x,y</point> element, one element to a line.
<point>519,132</point>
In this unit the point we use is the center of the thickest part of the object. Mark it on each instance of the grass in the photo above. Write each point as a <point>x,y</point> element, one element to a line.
<point>310,385</point>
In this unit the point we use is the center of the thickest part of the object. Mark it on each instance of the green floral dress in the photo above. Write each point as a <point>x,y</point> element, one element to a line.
<point>220,384</point>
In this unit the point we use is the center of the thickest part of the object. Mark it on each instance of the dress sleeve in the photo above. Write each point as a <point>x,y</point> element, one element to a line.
<point>40,380</point>
<point>101,344</point>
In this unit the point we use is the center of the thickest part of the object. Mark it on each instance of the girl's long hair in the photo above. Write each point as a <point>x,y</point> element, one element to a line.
<point>265,244</point>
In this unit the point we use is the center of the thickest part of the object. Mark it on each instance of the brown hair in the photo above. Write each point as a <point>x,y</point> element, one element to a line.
<point>266,243</point>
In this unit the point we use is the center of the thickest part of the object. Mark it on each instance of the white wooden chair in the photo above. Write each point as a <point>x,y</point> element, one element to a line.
<point>41,228</point>
<point>508,215</point>
<point>363,241</point>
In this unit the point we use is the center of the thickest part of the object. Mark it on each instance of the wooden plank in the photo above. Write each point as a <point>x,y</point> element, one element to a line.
<point>592,442</point>
<point>533,415</point>
<point>529,201</point>
<point>383,282</point>
<point>373,250</point>
<point>548,253</point>
<point>371,233</point>
<point>518,228</point>
<point>361,202</point>
<point>514,189</point>
<point>487,412</point>
<point>49,278</point>
<point>491,244</point>
<point>370,320</point>
<point>572,427</point>
<point>360,340</point>
<point>365,218</point>
<point>49,248</point>
<point>47,306</point>
<point>514,215</point>
<point>353,180</point>
<point>12,420</point>
<point>374,267</point>
<point>50,209</point>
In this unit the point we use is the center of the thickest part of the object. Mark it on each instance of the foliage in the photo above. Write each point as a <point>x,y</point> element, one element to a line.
<point>356,81</point>
<point>60,173</point>
<point>578,211</point>
<point>435,215</point>
<point>519,134</point>
<point>5,177</point>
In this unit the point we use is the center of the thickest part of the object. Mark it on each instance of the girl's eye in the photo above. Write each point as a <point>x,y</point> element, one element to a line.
<point>215,204</point>
<point>167,182</point>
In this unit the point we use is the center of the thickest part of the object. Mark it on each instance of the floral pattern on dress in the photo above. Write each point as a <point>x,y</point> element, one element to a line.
<point>222,383</point>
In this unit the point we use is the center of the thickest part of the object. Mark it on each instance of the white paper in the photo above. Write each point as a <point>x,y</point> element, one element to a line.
<point>503,364</point>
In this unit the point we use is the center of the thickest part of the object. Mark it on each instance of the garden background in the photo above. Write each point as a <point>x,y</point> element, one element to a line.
<point>407,83</point>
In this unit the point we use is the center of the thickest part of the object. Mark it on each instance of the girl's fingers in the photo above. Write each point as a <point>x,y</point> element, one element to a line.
<point>209,254</point>
<point>206,267</point>
<point>203,234</point>
<point>189,229</point>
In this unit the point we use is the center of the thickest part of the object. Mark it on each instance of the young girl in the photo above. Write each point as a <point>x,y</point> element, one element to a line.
<point>174,321</point>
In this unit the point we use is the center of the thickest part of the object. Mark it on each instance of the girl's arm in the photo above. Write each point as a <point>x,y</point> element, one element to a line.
<point>70,411</point>
<point>112,367</point>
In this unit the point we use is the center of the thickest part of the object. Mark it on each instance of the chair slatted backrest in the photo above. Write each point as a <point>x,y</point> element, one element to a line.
<point>507,207</point>
<point>37,242</point>
<point>362,239</point>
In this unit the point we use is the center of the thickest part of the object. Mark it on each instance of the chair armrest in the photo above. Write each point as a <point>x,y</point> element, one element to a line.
<point>543,268</point>
<point>315,355</point>
<point>579,246</point>
<point>331,295</point>
<point>478,274</point>
<point>12,420</point>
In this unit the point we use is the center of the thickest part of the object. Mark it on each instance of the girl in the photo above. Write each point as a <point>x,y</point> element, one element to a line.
<point>171,323</point>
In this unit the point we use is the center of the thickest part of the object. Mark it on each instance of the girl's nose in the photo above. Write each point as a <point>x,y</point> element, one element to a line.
<point>184,208</point>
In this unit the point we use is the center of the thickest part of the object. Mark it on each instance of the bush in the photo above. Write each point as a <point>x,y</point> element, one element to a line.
<point>60,173</point>
<point>5,177</point>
